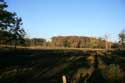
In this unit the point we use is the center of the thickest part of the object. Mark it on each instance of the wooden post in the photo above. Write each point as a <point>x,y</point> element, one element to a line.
<point>64,79</point>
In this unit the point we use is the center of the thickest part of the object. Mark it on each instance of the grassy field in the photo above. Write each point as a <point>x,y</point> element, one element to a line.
<point>26,65</point>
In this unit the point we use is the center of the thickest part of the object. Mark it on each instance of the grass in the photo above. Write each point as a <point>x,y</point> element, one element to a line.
<point>48,65</point>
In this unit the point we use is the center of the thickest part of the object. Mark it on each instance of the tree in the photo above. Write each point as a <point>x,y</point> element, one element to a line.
<point>100,43</point>
<point>93,42</point>
<point>10,25</point>
<point>66,43</point>
<point>7,18</point>
<point>17,31</point>
<point>38,42</point>
<point>122,38</point>
<point>115,45</point>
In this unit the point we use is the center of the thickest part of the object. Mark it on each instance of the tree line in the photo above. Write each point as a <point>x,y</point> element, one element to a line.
<point>67,42</point>
<point>75,42</point>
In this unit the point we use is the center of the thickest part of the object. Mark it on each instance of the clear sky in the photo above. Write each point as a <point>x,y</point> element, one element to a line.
<point>47,18</point>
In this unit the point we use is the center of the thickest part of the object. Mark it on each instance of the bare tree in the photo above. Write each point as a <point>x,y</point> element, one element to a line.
<point>122,38</point>
<point>107,41</point>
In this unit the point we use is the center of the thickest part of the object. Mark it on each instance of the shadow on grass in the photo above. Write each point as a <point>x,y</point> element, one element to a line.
<point>43,65</point>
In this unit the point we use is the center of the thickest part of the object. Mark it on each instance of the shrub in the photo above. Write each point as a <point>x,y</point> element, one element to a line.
<point>113,73</point>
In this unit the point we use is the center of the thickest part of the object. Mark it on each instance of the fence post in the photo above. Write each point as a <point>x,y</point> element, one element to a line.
<point>64,79</point>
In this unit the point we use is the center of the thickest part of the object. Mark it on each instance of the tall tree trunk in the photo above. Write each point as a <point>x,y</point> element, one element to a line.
<point>15,45</point>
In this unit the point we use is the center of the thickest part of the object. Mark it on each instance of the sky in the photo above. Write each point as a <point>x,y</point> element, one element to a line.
<point>48,18</point>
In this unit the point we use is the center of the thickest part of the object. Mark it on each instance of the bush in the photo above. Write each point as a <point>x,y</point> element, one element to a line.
<point>113,73</point>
